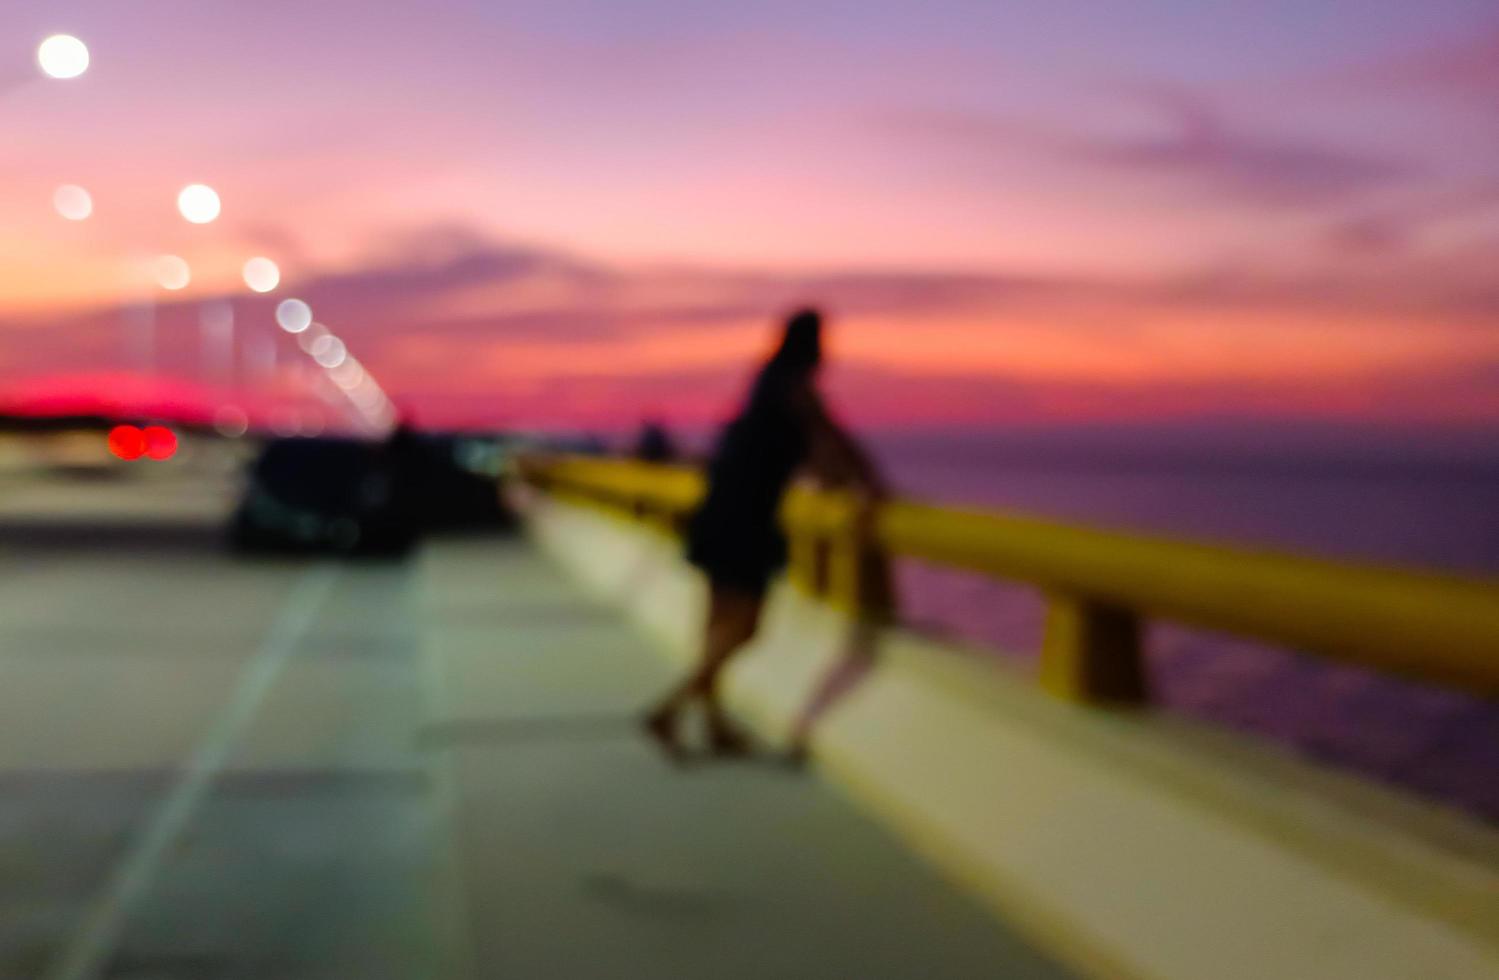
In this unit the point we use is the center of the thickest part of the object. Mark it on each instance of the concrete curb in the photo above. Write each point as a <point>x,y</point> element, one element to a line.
<point>1130,845</point>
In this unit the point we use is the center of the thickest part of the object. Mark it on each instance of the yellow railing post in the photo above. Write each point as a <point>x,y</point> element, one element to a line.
<point>845,561</point>
<point>1091,652</point>
<point>659,519</point>
<point>858,577</point>
<point>801,543</point>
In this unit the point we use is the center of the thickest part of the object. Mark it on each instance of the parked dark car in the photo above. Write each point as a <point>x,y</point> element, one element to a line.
<point>323,495</point>
<point>450,481</point>
<point>359,497</point>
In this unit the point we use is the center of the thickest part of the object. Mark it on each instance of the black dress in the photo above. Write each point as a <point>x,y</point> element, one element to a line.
<point>734,536</point>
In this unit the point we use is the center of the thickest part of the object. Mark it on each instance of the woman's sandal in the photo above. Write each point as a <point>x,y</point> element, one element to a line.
<point>725,740</point>
<point>661,726</point>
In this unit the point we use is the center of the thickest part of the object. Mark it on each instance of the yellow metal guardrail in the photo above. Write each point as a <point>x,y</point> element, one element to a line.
<point>1102,585</point>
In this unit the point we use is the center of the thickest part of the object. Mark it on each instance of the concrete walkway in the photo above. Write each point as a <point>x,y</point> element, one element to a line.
<point>208,769</point>
<point>584,854</point>
<point>222,769</point>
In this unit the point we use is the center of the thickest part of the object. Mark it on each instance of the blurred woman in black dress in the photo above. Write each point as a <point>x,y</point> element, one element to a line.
<point>734,537</point>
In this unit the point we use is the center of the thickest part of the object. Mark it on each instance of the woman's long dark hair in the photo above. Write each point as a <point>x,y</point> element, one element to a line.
<point>793,362</point>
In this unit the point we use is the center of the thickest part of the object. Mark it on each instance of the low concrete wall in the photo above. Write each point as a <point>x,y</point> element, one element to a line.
<point>1132,845</point>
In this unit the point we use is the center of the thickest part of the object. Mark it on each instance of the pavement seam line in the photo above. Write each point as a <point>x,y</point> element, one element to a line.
<point>442,765</point>
<point>97,936</point>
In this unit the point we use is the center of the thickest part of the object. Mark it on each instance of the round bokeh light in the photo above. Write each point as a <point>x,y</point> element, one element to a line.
<point>293,315</point>
<point>161,442</point>
<point>73,202</point>
<point>329,351</point>
<point>198,203</point>
<point>127,442</point>
<point>172,272</point>
<point>262,275</point>
<point>231,422</point>
<point>62,56</point>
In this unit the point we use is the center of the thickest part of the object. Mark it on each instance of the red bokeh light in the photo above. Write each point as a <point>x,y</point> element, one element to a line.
<point>127,442</point>
<point>161,442</point>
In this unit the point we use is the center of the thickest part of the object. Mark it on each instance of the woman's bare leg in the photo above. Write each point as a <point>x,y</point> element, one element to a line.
<point>732,618</point>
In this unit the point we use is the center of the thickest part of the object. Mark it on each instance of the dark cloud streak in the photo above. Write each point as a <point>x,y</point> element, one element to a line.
<point>1204,147</point>
<point>1467,69</point>
<point>1200,148</point>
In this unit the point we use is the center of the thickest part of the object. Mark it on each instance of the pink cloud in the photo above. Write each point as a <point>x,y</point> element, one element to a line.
<point>469,329</point>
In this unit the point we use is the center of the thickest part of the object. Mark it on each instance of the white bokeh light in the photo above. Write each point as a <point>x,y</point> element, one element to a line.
<point>198,203</point>
<point>385,416</point>
<point>286,423</point>
<point>62,56</point>
<point>231,421</point>
<point>367,396</point>
<point>262,275</point>
<point>293,315</point>
<point>172,272</point>
<point>329,351</point>
<point>73,202</point>
<point>348,375</point>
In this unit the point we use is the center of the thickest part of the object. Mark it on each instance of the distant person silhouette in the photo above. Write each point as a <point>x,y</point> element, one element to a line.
<point>654,444</point>
<point>734,536</point>
<point>403,470</point>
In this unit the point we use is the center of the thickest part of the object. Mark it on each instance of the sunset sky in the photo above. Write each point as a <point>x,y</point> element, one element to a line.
<point>1016,213</point>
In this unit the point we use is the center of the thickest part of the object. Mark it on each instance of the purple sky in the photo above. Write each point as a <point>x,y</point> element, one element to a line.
<point>1025,212</point>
